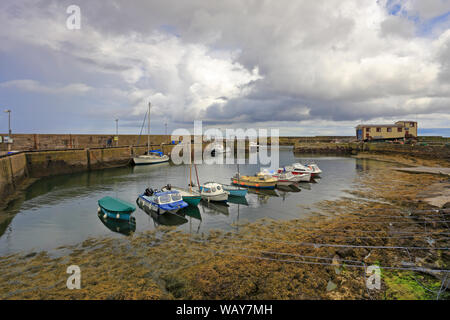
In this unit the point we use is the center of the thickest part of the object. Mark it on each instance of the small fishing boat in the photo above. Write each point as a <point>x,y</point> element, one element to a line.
<point>283,179</point>
<point>192,197</point>
<point>315,169</point>
<point>115,208</point>
<point>258,182</point>
<point>213,191</point>
<point>304,173</point>
<point>235,191</point>
<point>162,201</point>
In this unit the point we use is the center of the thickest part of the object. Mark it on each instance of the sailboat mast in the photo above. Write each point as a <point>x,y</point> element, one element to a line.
<point>148,129</point>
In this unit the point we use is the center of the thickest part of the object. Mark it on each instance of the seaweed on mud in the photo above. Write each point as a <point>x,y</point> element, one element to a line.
<point>267,259</point>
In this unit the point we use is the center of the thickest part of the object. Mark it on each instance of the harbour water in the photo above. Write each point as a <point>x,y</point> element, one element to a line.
<point>62,210</point>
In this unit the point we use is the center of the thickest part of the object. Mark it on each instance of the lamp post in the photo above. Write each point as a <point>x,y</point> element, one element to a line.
<point>9,121</point>
<point>117,132</point>
<point>9,128</point>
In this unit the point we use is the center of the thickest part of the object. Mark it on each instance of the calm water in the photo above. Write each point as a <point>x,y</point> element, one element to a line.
<point>62,210</point>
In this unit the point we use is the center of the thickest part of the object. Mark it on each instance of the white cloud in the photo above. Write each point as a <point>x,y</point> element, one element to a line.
<point>37,87</point>
<point>339,60</point>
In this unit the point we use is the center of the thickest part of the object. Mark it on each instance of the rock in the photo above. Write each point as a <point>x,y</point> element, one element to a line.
<point>345,252</point>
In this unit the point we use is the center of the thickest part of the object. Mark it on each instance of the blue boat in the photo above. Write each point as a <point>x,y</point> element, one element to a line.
<point>235,191</point>
<point>115,208</point>
<point>162,201</point>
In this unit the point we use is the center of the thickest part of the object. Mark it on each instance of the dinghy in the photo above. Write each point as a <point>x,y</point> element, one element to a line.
<point>115,208</point>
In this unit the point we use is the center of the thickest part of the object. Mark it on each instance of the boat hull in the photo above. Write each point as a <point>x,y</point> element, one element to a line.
<point>158,209</point>
<point>115,215</point>
<point>193,201</point>
<point>223,197</point>
<point>255,185</point>
<point>237,193</point>
<point>150,160</point>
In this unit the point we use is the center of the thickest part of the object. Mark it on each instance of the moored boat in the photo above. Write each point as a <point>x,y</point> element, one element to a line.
<point>213,191</point>
<point>191,197</point>
<point>162,201</point>
<point>115,208</point>
<point>150,156</point>
<point>304,173</point>
<point>258,182</point>
<point>235,191</point>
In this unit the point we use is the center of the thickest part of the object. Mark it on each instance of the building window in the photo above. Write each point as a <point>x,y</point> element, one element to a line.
<point>389,129</point>
<point>378,129</point>
<point>399,129</point>
<point>411,124</point>
<point>368,129</point>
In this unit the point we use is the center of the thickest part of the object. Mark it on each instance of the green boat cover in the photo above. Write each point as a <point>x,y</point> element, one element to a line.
<point>115,205</point>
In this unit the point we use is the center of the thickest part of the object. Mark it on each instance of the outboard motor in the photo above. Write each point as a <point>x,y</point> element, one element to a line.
<point>169,187</point>
<point>148,192</point>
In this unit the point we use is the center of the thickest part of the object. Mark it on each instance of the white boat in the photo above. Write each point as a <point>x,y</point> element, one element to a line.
<point>283,179</point>
<point>218,148</point>
<point>287,178</point>
<point>315,169</point>
<point>212,191</point>
<point>298,170</point>
<point>151,156</point>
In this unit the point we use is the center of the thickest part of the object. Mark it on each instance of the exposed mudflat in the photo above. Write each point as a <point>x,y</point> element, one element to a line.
<point>383,222</point>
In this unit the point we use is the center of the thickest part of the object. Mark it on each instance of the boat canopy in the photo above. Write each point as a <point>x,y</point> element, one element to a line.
<point>158,152</point>
<point>115,205</point>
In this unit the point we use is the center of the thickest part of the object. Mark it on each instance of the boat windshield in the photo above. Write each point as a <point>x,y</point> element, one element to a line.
<point>164,199</point>
<point>176,197</point>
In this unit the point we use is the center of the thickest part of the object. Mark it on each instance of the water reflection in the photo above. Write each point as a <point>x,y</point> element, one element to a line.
<point>238,200</point>
<point>119,226</point>
<point>214,207</point>
<point>59,210</point>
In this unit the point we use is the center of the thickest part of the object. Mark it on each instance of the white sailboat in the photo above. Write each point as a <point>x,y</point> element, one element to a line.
<point>151,156</point>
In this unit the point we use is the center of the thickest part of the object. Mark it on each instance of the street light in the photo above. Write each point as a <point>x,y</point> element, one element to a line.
<point>9,121</point>
<point>117,132</point>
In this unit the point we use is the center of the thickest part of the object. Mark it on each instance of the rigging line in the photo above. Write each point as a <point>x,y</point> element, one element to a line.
<point>282,253</point>
<point>357,262</point>
<point>142,127</point>
<point>398,222</point>
<point>350,214</point>
<point>415,278</point>
<point>334,245</point>
<point>327,264</point>
<point>374,231</point>
<point>370,237</point>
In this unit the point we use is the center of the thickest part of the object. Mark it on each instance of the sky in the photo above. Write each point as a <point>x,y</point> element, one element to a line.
<point>304,67</point>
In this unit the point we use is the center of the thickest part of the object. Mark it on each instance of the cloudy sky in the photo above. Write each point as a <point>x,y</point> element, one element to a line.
<point>306,67</point>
